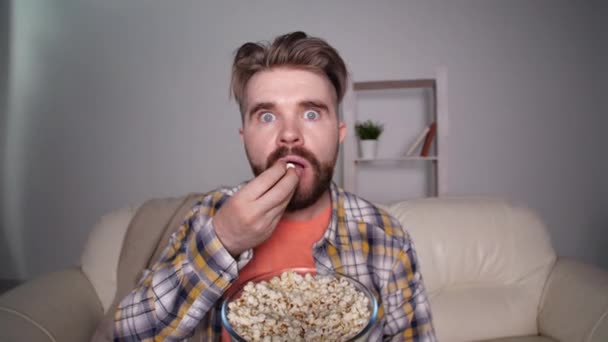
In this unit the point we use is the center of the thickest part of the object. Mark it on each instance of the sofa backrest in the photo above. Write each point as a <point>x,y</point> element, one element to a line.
<point>99,260</point>
<point>484,262</point>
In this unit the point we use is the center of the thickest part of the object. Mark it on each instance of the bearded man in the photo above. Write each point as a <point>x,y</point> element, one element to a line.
<point>289,215</point>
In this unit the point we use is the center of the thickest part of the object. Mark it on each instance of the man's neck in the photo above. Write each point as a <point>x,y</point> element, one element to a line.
<point>310,212</point>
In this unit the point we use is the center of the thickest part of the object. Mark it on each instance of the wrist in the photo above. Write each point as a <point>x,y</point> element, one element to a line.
<point>225,239</point>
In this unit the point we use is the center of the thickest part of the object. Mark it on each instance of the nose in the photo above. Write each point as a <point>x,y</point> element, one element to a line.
<point>290,134</point>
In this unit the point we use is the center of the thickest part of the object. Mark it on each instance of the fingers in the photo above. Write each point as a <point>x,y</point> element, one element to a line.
<point>275,214</point>
<point>280,193</point>
<point>272,222</point>
<point>266,180</point>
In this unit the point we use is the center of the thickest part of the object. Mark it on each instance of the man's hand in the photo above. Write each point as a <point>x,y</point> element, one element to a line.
<point>251,215</point>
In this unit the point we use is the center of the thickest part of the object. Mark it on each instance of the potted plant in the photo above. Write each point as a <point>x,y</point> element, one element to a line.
<point>368,133</point>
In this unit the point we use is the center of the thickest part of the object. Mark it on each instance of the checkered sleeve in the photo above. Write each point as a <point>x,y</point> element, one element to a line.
<point>408,311</point>
<point>174,296</point>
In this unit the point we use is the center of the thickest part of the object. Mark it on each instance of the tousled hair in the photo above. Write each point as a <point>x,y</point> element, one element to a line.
<point>296,50</point>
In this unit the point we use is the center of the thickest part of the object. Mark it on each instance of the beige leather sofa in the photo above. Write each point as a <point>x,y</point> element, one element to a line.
<point>489,267</point>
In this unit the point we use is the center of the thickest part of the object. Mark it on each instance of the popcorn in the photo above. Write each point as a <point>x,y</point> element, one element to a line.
<point>290,166</point>
<point>292,307</point>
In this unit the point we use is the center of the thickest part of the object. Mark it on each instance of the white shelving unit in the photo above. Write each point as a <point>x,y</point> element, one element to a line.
<point>436,83</point>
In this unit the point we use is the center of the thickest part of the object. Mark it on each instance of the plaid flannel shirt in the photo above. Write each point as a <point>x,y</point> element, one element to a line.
<point>185,287</point>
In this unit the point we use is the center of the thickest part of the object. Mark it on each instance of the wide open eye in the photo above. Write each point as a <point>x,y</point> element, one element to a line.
<point>311,115</point>
<point>267,117</point>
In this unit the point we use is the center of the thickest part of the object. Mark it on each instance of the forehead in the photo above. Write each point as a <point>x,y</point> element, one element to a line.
<point>285,86</point>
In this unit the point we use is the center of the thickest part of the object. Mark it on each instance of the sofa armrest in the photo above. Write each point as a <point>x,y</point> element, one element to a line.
<point>575,303</point>
<point>60,306</point>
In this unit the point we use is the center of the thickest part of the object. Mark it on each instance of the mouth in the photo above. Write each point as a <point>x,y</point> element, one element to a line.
<point>299,162</point>
<point>301,165</point>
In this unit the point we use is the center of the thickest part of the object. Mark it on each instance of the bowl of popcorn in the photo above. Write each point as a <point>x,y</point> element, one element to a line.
<point>300,304</point>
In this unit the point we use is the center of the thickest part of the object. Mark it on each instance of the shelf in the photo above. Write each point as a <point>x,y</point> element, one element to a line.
<point>396,84</point>
<point>422,176</point>
<point>402,159</point>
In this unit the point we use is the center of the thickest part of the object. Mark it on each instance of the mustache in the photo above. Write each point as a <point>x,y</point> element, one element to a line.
<point>299,151</point>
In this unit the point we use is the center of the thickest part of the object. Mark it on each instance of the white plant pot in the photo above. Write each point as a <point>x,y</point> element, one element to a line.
<point>368,149</point>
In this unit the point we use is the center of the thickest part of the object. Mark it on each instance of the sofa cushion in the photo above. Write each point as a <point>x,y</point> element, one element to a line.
<point>524,339</point>
<point>60,306</point>
<point>102,251</point>
<point>484,262</point>
<point>575,303</point>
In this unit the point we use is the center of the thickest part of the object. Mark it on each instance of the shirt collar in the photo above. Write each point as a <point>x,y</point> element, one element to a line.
<point>337,214</point>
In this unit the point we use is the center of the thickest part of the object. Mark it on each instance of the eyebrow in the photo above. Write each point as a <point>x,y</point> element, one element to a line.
<point>261,106</point>
<point>314,103</point>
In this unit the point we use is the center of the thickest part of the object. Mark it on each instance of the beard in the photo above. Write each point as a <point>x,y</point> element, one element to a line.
<point>322,175</point>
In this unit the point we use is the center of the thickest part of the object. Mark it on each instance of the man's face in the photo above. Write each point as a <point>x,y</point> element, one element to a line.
<point>290,116</point>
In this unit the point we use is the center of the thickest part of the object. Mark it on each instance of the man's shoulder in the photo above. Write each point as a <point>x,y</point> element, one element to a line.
<point>216,197</point>
<point>224,191</point>
<point>360,210</point>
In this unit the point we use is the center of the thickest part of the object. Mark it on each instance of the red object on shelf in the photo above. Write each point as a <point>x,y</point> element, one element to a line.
<point>428,140</point>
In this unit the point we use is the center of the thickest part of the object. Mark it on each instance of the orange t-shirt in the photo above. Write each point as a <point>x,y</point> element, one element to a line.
<point>290,245</point>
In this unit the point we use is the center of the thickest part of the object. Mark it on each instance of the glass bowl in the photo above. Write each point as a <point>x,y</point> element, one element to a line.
<point>235,293</point>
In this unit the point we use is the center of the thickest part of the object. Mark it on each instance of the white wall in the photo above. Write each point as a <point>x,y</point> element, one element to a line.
<point>602,55</point>
<point>113,103</point>
<point>598,126</point>
<point>5,255</point>
<point>602,95</point>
